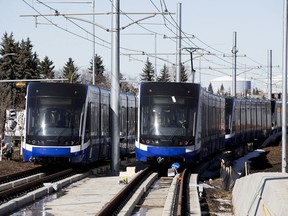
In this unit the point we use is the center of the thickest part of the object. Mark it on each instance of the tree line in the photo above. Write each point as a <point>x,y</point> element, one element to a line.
<point>18,61</point>
<point>148,73</point>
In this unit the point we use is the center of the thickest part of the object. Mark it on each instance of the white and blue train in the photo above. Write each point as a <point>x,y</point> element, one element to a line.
<point>183,122</point>
<point>71,122</point>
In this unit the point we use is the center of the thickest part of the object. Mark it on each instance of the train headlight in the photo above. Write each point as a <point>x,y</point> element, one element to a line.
<point>34,142</point>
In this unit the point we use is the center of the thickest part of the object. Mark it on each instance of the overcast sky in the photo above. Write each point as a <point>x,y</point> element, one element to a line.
<point>258,23</point>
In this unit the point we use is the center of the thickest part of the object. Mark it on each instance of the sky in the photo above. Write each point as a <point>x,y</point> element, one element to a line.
<point>207,24</point>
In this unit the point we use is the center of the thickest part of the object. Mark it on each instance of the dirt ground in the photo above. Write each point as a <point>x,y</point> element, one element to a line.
<point>15,165</point>
<point>217,201</point>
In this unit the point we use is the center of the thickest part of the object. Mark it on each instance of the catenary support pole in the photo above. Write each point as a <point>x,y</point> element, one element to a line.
<point>115,89</point>
<point>269,74</point>
<point>284,86</point>
<point>93,56</point>
<point>234,52</point>
<point>178,46</point>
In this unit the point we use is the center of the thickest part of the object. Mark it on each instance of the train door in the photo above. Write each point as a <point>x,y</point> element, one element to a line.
<point>204,136</point>
<point>264,119</point>
<point>242,120</point>
<point>94,130</point>
<point>132,117</point>
<point>211,123</point>
<point>105,136</point>
<point>222,122</point>
<point>237,121</point>
<point>253,119</point>
<point>259,119</point>
<point>268,117</point>
<point>123,119</point>
<point>249,120</point>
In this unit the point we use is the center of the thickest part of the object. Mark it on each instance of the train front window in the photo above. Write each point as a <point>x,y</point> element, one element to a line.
<point>54,117</point>
<point>168,116</point>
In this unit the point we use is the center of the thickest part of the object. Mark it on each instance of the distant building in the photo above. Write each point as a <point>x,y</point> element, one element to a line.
<point>243,86</point>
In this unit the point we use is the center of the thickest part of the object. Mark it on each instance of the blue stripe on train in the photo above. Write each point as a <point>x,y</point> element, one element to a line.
<point>190,157</point>
<point>50,152</point>
<point>38,152</point>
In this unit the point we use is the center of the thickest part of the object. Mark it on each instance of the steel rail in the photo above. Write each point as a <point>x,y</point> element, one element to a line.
<point>18,175</point>
<point>115,205</point>
<point>5,194</point>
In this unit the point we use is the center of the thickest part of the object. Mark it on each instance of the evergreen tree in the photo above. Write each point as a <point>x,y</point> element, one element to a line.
<point>148,72</point>
<point>221,90</point>
<point>46,69</point>
<point>28,67</point>
<point>100,78</point>
<point>17,62</point>
<point>70,72</point>
<point>222,87</point>
<point>164,75</point>
<point>183,74</point>
<point>210,89</point>
<point>6,103</point>
<point>9,63</point>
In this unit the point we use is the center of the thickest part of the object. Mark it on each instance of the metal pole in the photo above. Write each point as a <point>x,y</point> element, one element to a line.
<point>234,52</point>
<point>284,87</point>
<point>93,56</point>
<point>155,68</point>
<point>115,89</point>
<point>191,50</point>
<point>179,49</point>
<point>200,69</point>
<point>270,75</point>
<point>192,68</point>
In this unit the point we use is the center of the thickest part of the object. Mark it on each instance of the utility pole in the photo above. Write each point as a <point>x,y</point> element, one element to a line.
<point>269,74</point>
<point>284,86</point>
<point>234,64</point>
<point>178,45</point>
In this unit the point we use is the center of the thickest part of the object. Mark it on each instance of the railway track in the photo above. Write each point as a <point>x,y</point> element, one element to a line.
<point>147,191</point>
<point>152,194</point>
<point>25,187</point>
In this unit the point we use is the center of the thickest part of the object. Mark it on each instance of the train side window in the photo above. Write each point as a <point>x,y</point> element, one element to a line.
<point>88,123</point>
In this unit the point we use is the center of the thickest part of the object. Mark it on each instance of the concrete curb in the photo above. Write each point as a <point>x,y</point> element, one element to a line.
<point>13,205</point>
<point>130,205</point>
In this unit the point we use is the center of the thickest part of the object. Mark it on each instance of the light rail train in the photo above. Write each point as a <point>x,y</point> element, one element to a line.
<point>71,122</point>
<point>183,122</point>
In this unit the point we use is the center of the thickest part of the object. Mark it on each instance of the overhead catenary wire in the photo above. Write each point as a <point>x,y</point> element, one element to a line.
<point>168,22</point>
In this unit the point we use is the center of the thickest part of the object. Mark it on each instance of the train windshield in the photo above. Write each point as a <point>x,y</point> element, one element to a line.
<point>54,119</point>
<point>168,117</point>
